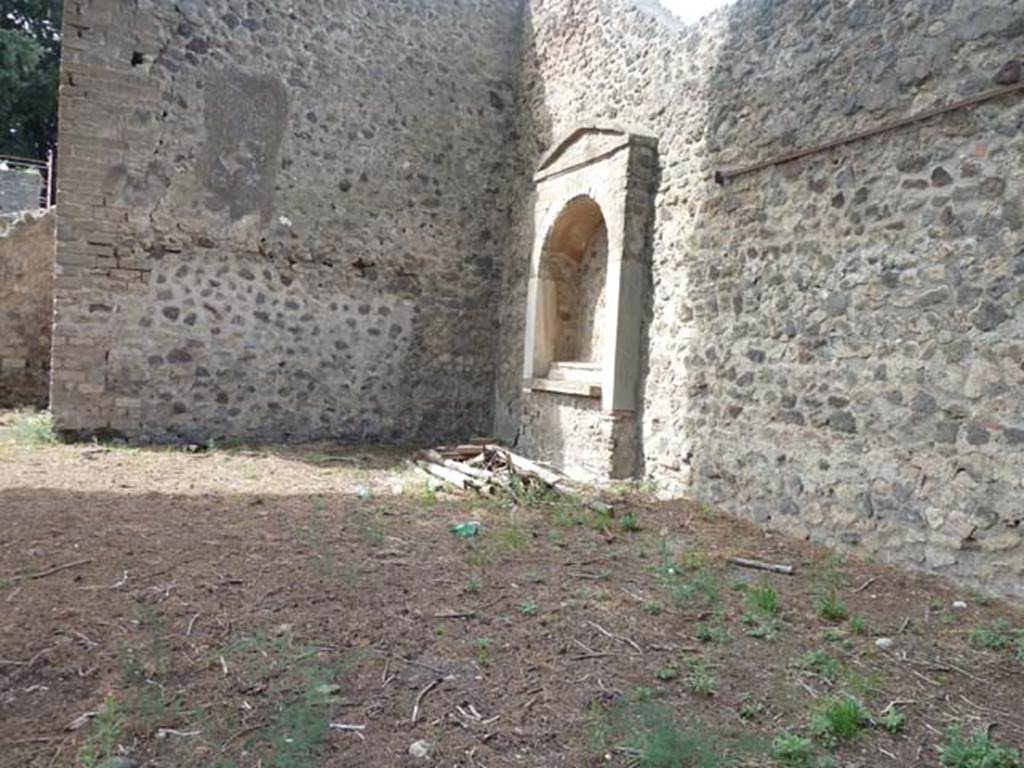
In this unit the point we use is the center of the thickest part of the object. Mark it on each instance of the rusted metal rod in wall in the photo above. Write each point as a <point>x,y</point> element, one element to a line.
<point>722,176</point>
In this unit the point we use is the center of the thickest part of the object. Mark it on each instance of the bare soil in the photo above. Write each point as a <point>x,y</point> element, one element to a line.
<point>222,608</point>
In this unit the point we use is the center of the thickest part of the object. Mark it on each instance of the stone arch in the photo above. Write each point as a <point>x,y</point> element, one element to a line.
<point>574,263</point>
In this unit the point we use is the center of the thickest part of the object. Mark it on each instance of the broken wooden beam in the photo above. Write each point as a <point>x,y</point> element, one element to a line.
<point>758,565</point>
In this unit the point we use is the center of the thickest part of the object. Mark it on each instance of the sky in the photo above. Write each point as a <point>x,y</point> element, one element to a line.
<point>692,10</point>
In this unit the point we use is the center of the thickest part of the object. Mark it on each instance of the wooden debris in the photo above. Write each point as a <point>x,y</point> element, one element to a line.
<point>758,565</point>
<point>419,699</point>
<point>487,468</point>
<point>50,572</point>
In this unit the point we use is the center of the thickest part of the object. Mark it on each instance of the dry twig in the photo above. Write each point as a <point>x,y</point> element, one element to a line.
<point>419,699</point>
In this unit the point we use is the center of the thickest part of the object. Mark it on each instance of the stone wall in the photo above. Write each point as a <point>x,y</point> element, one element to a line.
<point>20,190</point>
<point>834,346</point>
<point>279,229</point>
<point>27,244</point>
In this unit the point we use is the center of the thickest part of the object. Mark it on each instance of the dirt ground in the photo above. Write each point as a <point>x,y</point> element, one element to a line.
<point>225,608</point>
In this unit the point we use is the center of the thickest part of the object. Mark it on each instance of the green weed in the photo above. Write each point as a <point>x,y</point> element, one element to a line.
<point>830,604</point>
<point>32,429</point>
<point>792,750</point>
<point>665,674</point>
<point>602,518</point>
<point>315,537</point>
<point>998,636</point>
<point>822,664</point>
<point>649,731</point>
<point>629,522</point>
<point>702,677</point>
<point>654,608</point>
<point>299,729</point>
<point>838,720</point>
<point>858,625</point>
<point>976,750</point>
<point>893,721</point>
<point>104,735</point>
<point>751,709</point>
<point>528,609</point>
<point>483,650</point>
<point>713,632</point>
<point>511,538</point>
<point>763,599</point>
<point>697,590</point>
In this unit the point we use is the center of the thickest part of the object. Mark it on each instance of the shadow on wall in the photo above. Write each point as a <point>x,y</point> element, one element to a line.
<point>534,136</point>
<point>547,114</point>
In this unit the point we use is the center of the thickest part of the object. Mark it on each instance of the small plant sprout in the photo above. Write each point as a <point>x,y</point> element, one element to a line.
<point>629,523</point>
<point>820,663</point>
<point>483,650</point>
<point>998,636</point>
<point>858,625</point>
<point>831,607</point>
<point>892,720</point>
<point>528,609</point>
<point>976,750</point>
<point>713,632</point>
<point>751,709</point>
<point>838,720</point>
<point>107,729</point>
<point>667,673</point>
<point>702,678</point>
<point>792,750</point>
<point>763,599</point>
<point>654,608</point>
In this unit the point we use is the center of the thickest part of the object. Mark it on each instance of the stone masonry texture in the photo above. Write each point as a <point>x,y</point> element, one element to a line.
<point>20,190</point>
<point>281,220</point>
<point>834,346</point>
<point>277,228</point>
<point>27,245</point>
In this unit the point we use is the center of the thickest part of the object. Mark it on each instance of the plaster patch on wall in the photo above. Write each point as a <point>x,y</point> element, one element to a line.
<point>245,120</point>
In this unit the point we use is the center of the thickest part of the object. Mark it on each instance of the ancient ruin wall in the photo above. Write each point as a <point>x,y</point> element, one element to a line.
<point>281,220</point>
<point>27,244</point>
<point>834,346</point>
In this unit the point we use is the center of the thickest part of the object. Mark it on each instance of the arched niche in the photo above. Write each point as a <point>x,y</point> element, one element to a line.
<point>572,301</point>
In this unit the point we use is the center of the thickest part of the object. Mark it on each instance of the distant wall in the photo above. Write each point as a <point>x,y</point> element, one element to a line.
<point>278,229</point>
<point>20,190</point>
<point>834,346</point>
<point>27,245</point>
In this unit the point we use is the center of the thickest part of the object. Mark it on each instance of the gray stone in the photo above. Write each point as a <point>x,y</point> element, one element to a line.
<point>977,434</point>
<point>842,421</point>
<point>923,403</point>
<point>421,750</point>
<point>989,316</point>
<point>119,762</point>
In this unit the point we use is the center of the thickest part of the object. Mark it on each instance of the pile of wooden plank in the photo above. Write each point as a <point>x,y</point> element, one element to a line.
<point>488,469</point>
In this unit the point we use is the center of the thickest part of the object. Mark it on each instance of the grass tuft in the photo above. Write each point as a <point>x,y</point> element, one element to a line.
<point>32,429</point>
<point>838,720</point>
<point>976,750</point>
<point>763,599</point>
<point>791,750</point>
<point>107,729</point>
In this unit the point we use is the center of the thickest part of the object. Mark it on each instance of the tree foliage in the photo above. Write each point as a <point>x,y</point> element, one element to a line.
<point>29,73</point>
